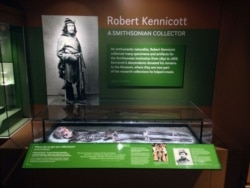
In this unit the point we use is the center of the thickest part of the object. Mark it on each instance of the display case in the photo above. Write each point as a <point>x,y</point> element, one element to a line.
<point>122,122</point>
<point>13,82</point>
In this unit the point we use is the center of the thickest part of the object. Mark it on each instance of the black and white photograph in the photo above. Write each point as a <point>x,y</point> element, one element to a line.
<point>71,59</point>
<point>182,156</point>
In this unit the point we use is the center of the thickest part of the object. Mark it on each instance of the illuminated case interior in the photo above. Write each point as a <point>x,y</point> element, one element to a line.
<point>13,82</point>
<point>114,121</point>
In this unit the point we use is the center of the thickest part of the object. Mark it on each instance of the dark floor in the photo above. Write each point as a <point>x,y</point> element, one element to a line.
<point>20,139</point>
<point>12,152</point>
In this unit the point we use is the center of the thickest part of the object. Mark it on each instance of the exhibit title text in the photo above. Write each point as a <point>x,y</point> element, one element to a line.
<point>146,21</point>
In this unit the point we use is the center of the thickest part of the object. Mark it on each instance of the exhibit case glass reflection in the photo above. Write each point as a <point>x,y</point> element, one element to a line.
<point>13,82</point>
<point>124,121</point>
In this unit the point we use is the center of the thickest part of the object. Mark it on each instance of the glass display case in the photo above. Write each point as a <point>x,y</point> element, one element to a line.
<point>13,82</point>
<point>122,122</point>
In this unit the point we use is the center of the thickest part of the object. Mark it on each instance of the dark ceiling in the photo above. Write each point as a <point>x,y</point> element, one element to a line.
<point>13,3</point>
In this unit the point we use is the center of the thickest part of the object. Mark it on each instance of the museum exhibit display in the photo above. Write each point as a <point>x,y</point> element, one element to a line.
<point>13,105</point>
<point>135,63</point>
<point>118,89</point>
<point>111,135</point>
<point>181,122</point>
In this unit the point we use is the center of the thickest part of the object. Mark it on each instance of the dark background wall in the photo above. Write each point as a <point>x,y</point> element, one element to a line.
<point>231,103</point>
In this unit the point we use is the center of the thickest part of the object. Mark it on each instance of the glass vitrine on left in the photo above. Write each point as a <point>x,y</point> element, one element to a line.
<point>13,85</point>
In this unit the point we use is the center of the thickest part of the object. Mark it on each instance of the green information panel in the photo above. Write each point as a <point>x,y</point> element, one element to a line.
<point>166,156</point>
<point>145,65</point>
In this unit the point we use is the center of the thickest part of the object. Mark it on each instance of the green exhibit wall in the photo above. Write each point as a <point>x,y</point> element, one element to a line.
<point>200,43</point>
<point>199,68</point>
<point>36,66</point>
